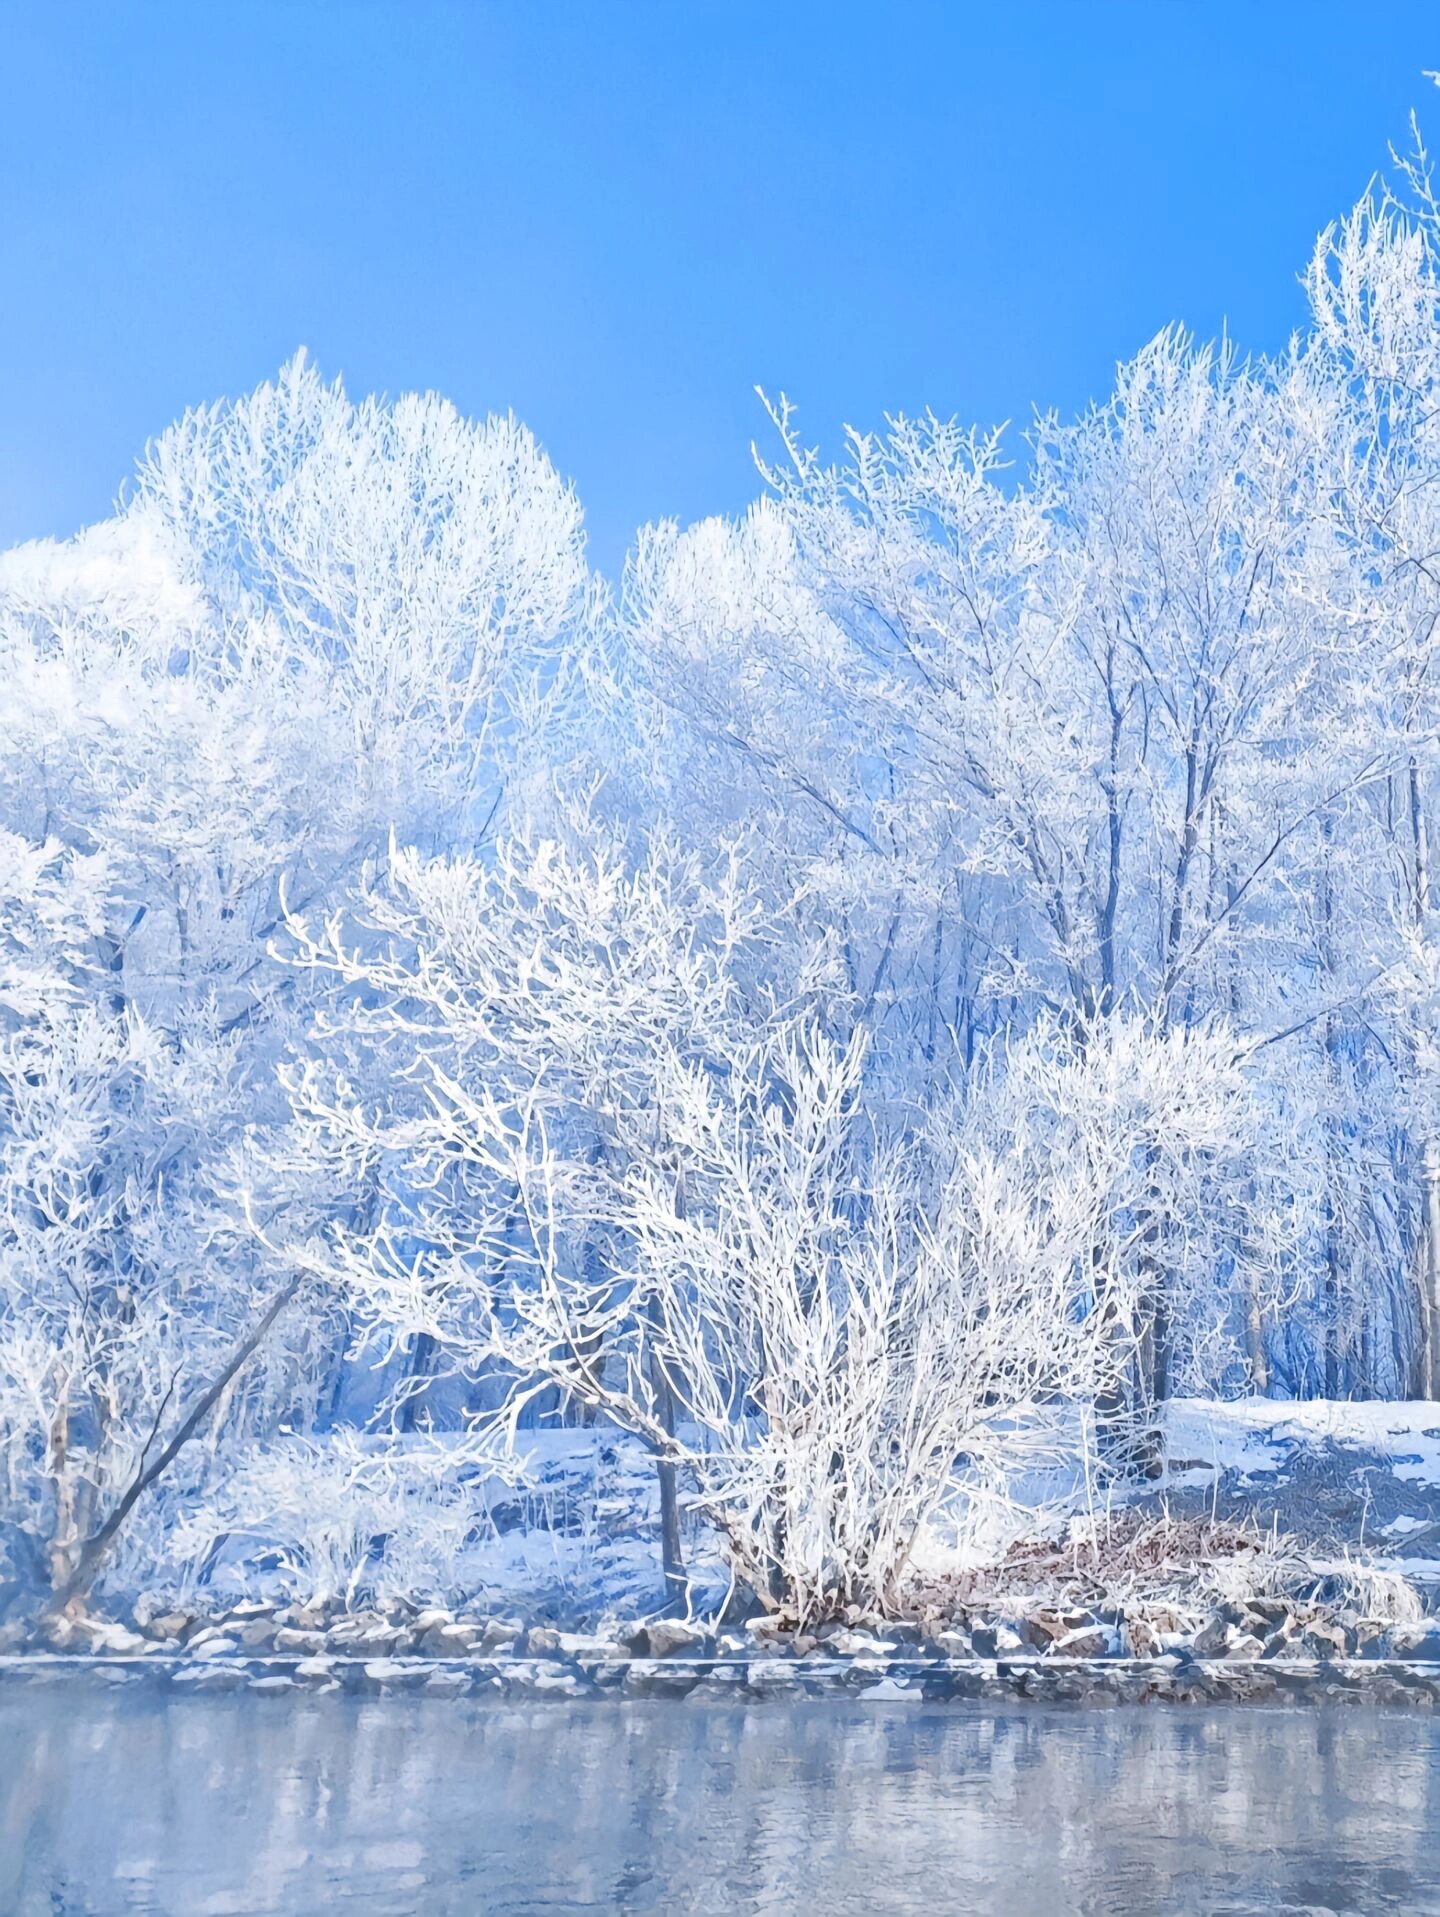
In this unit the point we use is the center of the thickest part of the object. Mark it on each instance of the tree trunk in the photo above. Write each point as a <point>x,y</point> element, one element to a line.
<point>1255,1344</point>
<point>64,1539</point>
<point>417,1375</point>
<point>1430,1266</point>
<point>1154,1359</point>
<point>1336,1341</point>
<point>1428,1249</point>
<point>672,1558</point>
<point>97,1546</point>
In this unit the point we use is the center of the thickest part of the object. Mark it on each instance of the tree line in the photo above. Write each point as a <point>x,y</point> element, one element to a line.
<point>893,990</point>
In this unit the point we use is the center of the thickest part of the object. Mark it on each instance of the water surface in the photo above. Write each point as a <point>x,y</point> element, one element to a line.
<point>213,1806</point>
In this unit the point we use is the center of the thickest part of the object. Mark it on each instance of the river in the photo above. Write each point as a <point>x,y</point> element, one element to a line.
<point>220,1805</point>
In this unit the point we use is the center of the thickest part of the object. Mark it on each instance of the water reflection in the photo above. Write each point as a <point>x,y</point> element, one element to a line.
<point>203,1807</point>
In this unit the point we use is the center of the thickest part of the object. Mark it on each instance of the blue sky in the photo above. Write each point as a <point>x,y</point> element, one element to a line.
<point>618,217</point>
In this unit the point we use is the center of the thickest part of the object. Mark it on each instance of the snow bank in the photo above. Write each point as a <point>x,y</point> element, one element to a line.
<point>1258,1436</point>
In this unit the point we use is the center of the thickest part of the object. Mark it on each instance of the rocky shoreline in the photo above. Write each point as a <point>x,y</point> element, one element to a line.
<point>1252,1653</point>
<point>1082,1681</point>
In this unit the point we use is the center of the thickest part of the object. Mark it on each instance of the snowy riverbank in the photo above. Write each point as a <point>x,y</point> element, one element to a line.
<point>1289,1549</point>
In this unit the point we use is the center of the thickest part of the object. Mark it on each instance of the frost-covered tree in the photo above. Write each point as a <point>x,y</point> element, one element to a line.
<point>625,1157</point>
<point>556,978</point>
<point>310,623</point>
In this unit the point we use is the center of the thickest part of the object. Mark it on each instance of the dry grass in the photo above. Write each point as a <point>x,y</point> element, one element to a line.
<point>1143,1563</point>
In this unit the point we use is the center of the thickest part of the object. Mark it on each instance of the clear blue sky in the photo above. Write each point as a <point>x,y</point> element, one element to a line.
<point>617,216</point>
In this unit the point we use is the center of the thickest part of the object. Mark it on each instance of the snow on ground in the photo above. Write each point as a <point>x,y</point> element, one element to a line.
<point>1353,1476</point>
<point>1251,1436</point>
<point>1356,1479</point>
<point>571,1534</point>
<point>1345,1479</point>
<point>579,1538</point>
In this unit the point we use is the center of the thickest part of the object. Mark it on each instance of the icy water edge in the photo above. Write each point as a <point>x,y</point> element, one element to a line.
<point>208,1806</point>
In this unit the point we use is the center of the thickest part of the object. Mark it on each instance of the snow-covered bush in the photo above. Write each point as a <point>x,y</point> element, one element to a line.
<point>347,1517</point>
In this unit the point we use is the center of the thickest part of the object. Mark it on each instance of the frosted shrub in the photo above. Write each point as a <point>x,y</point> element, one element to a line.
<point>350,1518</point>
<point>619,1170</point>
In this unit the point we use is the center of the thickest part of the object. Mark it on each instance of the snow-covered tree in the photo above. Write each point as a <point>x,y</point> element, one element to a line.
<point>311,622</point>
<point>625,1157</point>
